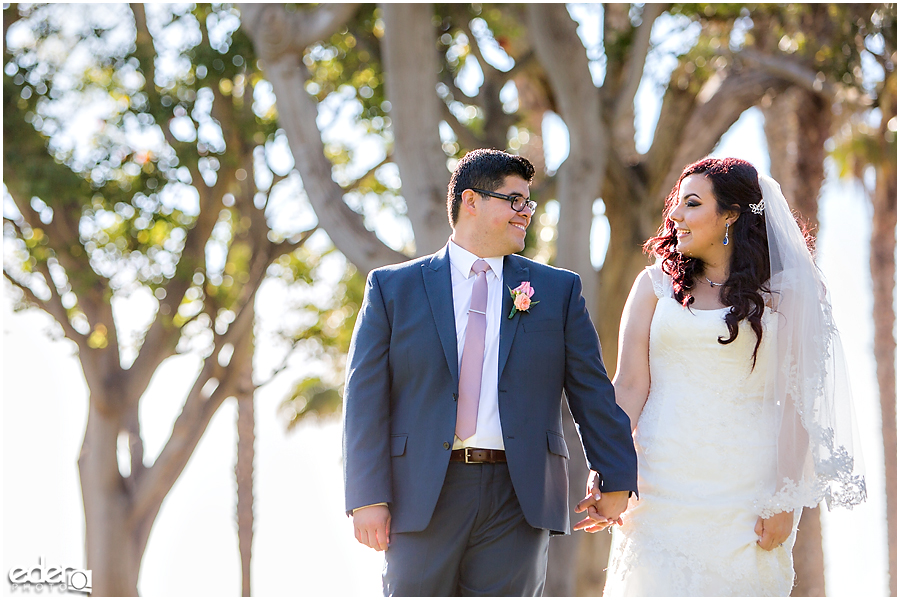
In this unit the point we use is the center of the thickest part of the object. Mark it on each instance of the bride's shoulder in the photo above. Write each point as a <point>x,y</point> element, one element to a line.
<point>659,281</point>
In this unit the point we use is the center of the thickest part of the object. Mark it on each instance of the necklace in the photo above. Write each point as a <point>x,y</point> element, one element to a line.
<point>713,283</point>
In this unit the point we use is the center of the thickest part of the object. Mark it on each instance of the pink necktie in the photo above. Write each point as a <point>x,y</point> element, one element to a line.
<point>473,355</point>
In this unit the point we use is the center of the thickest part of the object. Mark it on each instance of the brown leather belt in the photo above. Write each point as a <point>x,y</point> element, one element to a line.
<point>478,455</point>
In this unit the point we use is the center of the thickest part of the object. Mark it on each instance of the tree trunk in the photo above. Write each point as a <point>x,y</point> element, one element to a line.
<point>578,185</point>
<point>883,264</point>
<point>580,177</point>
<point>243,469</point>
<point>809,559</point>
<point>797,124</point>
<point>411,74</point>
<point>624,260</point>
<point>112,543</point>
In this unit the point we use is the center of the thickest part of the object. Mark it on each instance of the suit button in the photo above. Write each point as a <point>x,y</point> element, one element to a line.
<point>446,445</point>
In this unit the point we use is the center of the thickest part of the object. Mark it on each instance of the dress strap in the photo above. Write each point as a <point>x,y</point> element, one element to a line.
<point>662,283</point>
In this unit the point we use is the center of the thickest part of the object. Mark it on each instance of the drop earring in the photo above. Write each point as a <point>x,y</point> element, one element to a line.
<point>725,241</point>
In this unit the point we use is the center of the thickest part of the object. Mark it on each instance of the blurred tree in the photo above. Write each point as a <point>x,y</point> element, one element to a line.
<point>865,149</point>
<point>828,50</point>
<point>142,163</point>
<point>530,62</point>
<point>497,72</point>
<point>823,48</point>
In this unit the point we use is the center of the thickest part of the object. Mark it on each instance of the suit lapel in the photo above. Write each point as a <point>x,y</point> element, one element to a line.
<point>515,272</point>
<point>438,288</point>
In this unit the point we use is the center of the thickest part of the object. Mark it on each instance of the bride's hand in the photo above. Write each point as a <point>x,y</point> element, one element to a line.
<point>775,530</point>
<point>603,509</point>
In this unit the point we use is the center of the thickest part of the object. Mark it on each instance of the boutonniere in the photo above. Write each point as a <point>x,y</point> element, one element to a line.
<point>522,298</point>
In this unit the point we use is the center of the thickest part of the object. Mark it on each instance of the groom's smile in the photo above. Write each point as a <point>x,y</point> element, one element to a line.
<point>489,226</point>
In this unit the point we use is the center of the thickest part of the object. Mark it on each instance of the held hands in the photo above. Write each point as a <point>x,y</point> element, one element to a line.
<point>372,527</point>
<point>775,530</point>
<point>603,509</point>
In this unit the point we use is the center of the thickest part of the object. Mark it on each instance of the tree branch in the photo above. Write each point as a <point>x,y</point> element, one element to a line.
<point>790,71</point>
<point>410,63</point>
<point>487,69</point>
<point>717,107</point>
<point>634,65</point>
<point>197,411</point>
<point>145,53</point>
<point>277,33</point>
<point>289,247</point>
<point>794,72</point>
<point>297,114</point>
<point>61,233</point>
<point>581,175</point>
<point>162,336</point>
<point>281,367</point>
<point>195,416</point>
<point>522,63</point>
<point>52,307</point>
<point>466,138</point>
<point>371,172</point>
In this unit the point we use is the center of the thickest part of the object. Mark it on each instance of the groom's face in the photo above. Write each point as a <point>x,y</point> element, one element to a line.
<point>503,229</point>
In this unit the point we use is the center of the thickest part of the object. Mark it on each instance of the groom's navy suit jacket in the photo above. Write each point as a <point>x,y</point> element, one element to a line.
<point>402,385</point>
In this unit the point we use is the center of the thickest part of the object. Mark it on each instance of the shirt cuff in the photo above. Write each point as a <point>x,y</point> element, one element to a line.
<point>367,506</point>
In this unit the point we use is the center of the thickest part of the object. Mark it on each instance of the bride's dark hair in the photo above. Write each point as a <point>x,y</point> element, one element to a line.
<point>735,185</point>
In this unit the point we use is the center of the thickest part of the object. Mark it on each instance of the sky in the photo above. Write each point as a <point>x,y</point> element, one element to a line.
<point>303,542</point>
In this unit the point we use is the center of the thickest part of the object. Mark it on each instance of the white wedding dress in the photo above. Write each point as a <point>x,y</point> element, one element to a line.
<point>705,455</point>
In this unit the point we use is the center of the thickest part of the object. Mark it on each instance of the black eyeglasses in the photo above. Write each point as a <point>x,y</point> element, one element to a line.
<point>519,203</point>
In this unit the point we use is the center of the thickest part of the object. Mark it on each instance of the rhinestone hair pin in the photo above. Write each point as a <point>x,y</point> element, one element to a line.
<point>758,208</point>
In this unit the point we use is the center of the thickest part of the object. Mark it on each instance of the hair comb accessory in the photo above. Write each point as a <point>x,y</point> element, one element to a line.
<point>758,208</point>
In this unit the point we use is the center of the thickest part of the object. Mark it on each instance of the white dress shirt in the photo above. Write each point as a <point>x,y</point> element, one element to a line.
<point>488,433</point>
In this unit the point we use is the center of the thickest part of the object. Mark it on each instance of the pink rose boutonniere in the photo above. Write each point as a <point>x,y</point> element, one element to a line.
<point>522,298</point>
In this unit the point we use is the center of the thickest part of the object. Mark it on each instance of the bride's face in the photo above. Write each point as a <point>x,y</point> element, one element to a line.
<point>699,226</point>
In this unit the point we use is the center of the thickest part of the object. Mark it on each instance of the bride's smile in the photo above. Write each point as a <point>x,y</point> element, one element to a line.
<point>699,224</point>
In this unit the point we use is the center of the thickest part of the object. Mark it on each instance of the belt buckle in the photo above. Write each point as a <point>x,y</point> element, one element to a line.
<point>466,457</point>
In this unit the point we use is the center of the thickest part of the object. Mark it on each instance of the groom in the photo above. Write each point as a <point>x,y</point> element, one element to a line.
<point>454,457</point>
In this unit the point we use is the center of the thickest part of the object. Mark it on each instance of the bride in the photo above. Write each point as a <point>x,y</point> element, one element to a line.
<point>732,373</point>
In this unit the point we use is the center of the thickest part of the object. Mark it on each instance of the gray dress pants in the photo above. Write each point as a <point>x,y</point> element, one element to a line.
<point>477,543</point>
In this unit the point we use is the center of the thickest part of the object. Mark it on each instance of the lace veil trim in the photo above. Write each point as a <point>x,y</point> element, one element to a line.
<point>807,392</point>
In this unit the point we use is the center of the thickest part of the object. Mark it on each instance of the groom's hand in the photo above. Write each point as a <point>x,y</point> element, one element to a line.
<point>603,509</point>
<point>372,526</point>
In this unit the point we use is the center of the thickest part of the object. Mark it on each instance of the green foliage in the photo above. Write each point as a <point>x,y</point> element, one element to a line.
<point>188,114</point>
<point>311,397</point>
<point>175,137</point>
<point>350,60</point>
<point>326,338</point>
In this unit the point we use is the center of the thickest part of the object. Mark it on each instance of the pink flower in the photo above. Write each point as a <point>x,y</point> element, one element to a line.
<point>522,298</point>
<point>525,288</point>
<point>522,301</point>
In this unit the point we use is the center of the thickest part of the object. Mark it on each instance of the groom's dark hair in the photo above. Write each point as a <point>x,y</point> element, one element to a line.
<point>485,169</point>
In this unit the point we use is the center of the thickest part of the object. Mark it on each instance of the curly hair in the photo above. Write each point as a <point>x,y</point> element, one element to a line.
<point>735,185</point>
<point>486,169</point>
